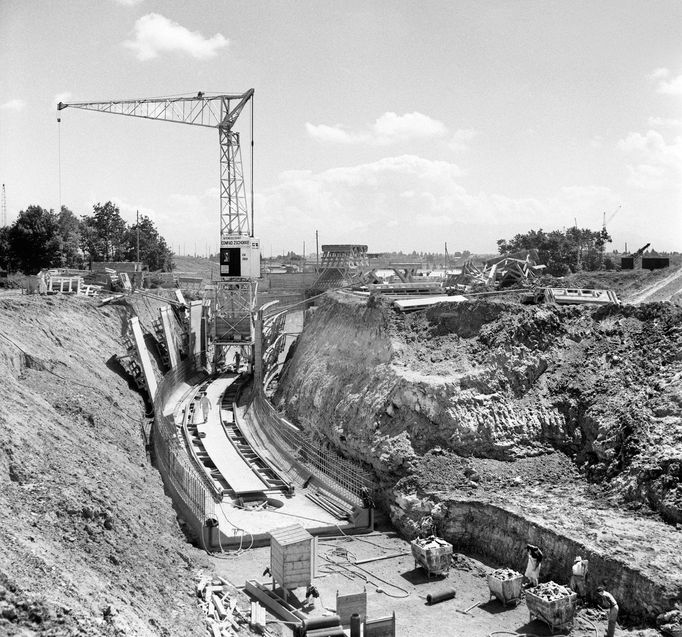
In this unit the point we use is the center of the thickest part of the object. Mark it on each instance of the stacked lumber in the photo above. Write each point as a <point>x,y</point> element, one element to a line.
<point>223,617</point>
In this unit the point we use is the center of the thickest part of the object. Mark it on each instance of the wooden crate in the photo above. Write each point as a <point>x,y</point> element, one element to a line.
<point>556,613</point>
<point>292,560</point>
<point>505,585</point>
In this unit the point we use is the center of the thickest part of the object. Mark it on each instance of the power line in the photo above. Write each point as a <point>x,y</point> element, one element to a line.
<point>59,158</point>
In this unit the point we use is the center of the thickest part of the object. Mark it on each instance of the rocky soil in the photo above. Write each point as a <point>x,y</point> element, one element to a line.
<point>570,418</point>
<point>89,543</point>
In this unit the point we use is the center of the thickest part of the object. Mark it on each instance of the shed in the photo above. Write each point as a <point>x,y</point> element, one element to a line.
<point>292,556</point>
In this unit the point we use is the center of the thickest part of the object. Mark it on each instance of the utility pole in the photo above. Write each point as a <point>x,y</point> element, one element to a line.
<point>317,251</point>
<point>4,206</point>
<point>137,225</point>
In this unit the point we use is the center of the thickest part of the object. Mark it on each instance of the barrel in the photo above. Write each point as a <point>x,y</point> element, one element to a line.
<point>355,625</point>
<point>312,623</point>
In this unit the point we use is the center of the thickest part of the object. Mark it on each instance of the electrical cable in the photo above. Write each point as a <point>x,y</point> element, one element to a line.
<point>291,515</point>
<point>59,158</point>
<point>253,229</point>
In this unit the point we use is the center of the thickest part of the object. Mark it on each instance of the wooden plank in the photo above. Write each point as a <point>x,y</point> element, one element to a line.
<point>272,604</point>
<point>381,627</point>
<point>346,605</point>
<point>222,613</point>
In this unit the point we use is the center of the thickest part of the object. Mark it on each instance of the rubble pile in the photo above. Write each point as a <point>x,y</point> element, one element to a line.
<point>509,420</point>
<point>551,591</point>
<point>504,574</point>
<point>223,616</point>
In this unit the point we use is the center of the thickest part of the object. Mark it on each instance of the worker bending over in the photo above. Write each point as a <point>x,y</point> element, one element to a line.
<point>606,600</point>
<point>534,561</point>
<point>578,575</point>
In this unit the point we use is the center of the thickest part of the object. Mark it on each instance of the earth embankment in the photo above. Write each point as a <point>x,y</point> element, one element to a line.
<point>568,417</point>
<point>89,543</point>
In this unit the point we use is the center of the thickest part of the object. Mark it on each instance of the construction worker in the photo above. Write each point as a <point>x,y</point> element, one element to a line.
<point>311,594</point>
<point>534,561</point>
<point>578,575</point>
<point>608,601</point>
<point>205,405</point>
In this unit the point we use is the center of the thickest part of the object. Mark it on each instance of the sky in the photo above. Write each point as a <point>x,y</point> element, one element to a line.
<point>398,125</point>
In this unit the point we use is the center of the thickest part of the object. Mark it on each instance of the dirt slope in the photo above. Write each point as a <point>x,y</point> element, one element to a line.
<point>89,543</point>
<point>567,417</point>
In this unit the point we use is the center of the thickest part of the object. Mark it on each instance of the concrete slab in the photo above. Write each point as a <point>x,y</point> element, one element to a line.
<point>237,472</point>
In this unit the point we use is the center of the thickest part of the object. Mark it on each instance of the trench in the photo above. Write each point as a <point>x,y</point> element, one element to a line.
<point>356,380</point>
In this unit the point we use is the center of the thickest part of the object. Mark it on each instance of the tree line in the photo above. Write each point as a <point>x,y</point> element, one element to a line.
<point>41,238</point>
<point>563,251</point>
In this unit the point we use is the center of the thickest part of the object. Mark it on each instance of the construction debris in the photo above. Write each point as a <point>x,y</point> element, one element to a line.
<point>499,272</point>
<point>552,603</point>
<point>433,554</point>
<point>223,617</point>
<point>505,585</point>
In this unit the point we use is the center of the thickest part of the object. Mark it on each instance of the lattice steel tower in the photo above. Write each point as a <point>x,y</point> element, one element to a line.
<point>235,292</point>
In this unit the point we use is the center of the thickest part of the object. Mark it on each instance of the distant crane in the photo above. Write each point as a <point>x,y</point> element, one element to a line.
<point>608,219</point>
<point>235,297</point>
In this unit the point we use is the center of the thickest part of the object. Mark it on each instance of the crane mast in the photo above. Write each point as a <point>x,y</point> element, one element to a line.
<point>234,292</point>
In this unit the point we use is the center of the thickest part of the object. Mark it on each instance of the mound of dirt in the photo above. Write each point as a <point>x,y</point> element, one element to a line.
<point>575,411</point>
<point>89,543</point>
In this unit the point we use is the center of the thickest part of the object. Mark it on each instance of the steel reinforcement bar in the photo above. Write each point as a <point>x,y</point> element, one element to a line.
<point>325,464</point>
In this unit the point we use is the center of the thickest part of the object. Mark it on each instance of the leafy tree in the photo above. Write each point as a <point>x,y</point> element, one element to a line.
<point>70,233</point>
<point>154,250</point>
<point>34,238</point>
<point>5,249</point>
<point>562,251</point>
<point>104,234</point>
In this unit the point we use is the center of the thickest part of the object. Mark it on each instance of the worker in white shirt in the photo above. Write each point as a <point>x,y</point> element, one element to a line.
<point>205,405</point>
<point>532,573</point>
<point>578,575</point>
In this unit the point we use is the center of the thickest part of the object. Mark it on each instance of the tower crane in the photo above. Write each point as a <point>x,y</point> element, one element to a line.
<point>235,291</point>
<point>608,219</point>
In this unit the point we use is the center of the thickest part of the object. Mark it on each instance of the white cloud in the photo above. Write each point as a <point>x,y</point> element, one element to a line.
<point>408,202</point>
<point>461,138</point>
<point>666,83</point>
<point>672,87</point>
<point>665,122</point>
<point>659,73</point>
<point>389,128</point>
<point>657,164</point>
<point>128,3</point>
<point>155,34</point>
<point>13,105</point>
<point>334,134</point>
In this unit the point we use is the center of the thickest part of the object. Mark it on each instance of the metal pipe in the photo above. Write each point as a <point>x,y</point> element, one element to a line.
<point>436,598</point>
<point>355,625</point>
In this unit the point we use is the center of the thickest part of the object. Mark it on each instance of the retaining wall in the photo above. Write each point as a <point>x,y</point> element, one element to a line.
<point>186,483</point>
<point>501,535</point>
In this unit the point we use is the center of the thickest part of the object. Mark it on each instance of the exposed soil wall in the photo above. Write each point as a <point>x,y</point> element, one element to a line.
<point>89,543</point>
<point>507,384</point>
